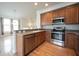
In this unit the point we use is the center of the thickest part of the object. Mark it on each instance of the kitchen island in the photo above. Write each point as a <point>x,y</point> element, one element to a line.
<point>27,41</point>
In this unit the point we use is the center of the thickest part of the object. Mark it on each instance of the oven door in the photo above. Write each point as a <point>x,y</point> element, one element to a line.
<point>57,35</point>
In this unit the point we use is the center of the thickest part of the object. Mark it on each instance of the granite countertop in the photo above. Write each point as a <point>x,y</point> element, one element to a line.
<point>73,31</point>
<point>29,32</point>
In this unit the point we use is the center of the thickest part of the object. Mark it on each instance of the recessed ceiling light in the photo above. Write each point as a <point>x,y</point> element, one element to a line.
<point>35,4</point>
<point>46,4</point>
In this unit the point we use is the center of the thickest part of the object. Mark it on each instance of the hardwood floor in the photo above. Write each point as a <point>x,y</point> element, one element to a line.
<point>7,48</point>
<point>47,49</point>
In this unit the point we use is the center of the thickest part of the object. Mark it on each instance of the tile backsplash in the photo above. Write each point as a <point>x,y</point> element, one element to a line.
<point>67,27</point>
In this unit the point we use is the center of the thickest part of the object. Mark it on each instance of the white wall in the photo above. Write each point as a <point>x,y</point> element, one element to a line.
<point>38,19</point>
<point>49,9</point>
<point>24,11</point>
<point>29,23</point>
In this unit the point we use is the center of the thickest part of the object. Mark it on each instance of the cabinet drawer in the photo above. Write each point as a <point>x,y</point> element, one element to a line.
<point>29,36</point>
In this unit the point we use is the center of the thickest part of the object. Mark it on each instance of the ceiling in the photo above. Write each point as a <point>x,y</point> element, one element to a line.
<point>22,9</point>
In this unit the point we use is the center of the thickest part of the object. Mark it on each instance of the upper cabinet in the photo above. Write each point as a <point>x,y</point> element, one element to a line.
<point>71,14</point>
<point>46,18</point>
<point>43,19</point>
<point>58,13</point>
<point>54,14</point>
<point>61,12</point>
<point>49,17</point>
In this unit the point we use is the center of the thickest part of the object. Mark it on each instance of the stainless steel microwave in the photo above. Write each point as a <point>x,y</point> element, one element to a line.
<point>59,20</point>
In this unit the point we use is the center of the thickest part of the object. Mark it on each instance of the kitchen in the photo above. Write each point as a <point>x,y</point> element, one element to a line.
<point>54,32</point>
<point>61,26</point>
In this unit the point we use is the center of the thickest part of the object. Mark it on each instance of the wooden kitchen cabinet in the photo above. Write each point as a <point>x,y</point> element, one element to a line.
<point>46,18</point>
<point>25,42</point>
<point>71,40</point>
<point>77,49</point>
<point>54,14</point>
<point>29,43</point>
<point>43,37</point>
<point>61,12</point>
<point>43,19</point>
<point>48,36</point>
<point>39,38</point>
<point>49,18</point>
<point>32,41</point>
<point>58,13</point>
<point>72,14</point>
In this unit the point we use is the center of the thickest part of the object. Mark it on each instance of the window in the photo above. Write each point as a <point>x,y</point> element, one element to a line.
<point>15,25</point>
<point>10,25</point>
<point>6,25</point>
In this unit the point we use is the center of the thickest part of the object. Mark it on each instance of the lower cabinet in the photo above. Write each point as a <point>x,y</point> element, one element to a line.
<point>42,36</point>
<point>72,41</point>
<point>48,36</point>
<point>32,41</point>
<point>26,43</point>
<point>39,38</point>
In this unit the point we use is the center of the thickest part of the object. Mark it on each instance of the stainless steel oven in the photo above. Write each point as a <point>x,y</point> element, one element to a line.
<point>58,32</point>
<point>58,36</point>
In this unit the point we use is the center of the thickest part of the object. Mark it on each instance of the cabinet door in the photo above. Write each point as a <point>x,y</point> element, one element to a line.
<point>49,17</point>
<point>77,47</point>
<point>37,39</point>
<point>46,18</point>
<point>42,37</point>
<point>43,19</point>
<point>48,35</point>
<point>70,40</point>
<point>72,14</point>
<point>55,14</point>
<point>28,43</point>
<point>61,12</point>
